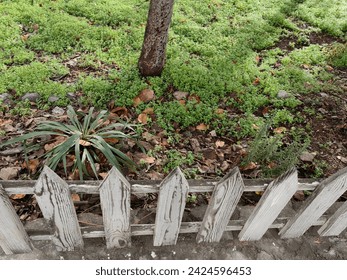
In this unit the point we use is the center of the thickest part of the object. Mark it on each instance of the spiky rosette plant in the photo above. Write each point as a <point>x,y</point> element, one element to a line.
<point>87,137</point>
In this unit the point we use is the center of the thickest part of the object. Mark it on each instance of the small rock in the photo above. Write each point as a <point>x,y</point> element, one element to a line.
<point>283,94</point>
<point>179,95</point>
<point>58,111</point>
<point>307,157</point>
<point>323,94</point>
<point>31,96</point>
<point>264,256</point>
<point>53,99</point>
<point>9,173</point>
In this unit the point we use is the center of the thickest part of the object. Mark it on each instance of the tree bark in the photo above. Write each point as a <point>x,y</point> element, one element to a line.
<point>152,59</point>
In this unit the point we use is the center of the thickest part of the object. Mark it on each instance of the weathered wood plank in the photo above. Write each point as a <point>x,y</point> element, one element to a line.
<point>115,205</point>
<point>139,187</point>
<point>314,207</point>
<point>272,202</point>
<point>186,227</point>
<point>13,237</point>
<point>171,202</point>
<point>336,223</point>
<point>54,198</point>
<point>223,202</point>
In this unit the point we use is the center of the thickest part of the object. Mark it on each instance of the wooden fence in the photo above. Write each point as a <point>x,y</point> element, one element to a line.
<point>53,195</point>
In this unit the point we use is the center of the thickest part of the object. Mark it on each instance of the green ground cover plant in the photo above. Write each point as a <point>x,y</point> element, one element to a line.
<point>232,58</point>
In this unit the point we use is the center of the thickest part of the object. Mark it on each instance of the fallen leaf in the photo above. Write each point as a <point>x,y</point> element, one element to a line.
<point>17,196</point>
<point>5,122</point>
<point>120,111</point>
<point>265,111</point>
<point>201,127</point>
<point>182,102</point>
<point>280,130</point>
<point>112,140</point>
<point>148,111</point>
<point>148,160</point>
<point>142,118</point>
<point>75,197</point>
<point>255,126</point>
<point>179,95</point>
<point>103,175</point>
<point>84,143</point>
<point>51,146</point>
<point>194,97</point>
<point>256,81</point>
<point>136,101</point>
<point>219,111</point>
<point>32,165</point>
<point>219,144</point>
<point>272,165</point>
<point>25,37</point>
<point>306,66</point>
<point>36,27</point>
<point>146,95</point>
<point>249,166</point>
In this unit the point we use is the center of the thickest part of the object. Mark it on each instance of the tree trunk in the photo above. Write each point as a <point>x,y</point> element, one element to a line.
<point>152,59</point>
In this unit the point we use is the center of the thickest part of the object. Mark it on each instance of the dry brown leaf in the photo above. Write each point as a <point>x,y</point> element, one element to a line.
<point>182,102</point>
<point>148,111</point>
<point>148,159</point>
<point>84,143</point>
<point>219,111</point>
<point>5,122</point>
<point>280,130</point>
<point>120,111</point>
<point>25,37</point>
<point>146,95</point>
<point>112,140</point>
<point>219,144</point>
<point>249,166</point>
<point>136,101</point>
<point>17,196</point>
<point>299,195</point>
<point>36,27</point>
<point>256,81</point>
<point>75,197</point>
<point>201,127</point>
<point>255,126</point>
<point>32,165</point>
<point>103,175</point>
<point>194,97</point>
<point>142,118</point>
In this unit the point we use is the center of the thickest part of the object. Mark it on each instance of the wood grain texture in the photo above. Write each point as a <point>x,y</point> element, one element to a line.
<point>186,227</point>
<point>223,202</point>
<point>171,202</point>
<point>314,207</point>
<point>272,202</point>
<point>115,205</point>
<point>13,237</point>
<point>152,186</point>
<point>336,223</point>
<point>54,198</point>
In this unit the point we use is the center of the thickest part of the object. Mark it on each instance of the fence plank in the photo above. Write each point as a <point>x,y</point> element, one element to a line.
<point>13,237</point>
<point>336,223</point>
<point>171,202</point>
<point>319,202</point>
<point>223,202</point>
<point>272,202</point>
<point>54,198</point>
<point>115,205</point>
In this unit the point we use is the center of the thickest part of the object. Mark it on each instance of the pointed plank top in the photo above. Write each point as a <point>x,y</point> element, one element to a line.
<point>112,175</point>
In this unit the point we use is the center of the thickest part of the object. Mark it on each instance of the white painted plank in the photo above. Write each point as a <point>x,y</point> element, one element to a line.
<point>272,202</point>
<point>54,198</point>
<point>115,205</point>
<point>171,202</point>
<point>336,223</point>
<point>223,202</point>
<point>13,237</point>
<point>315,206</point>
